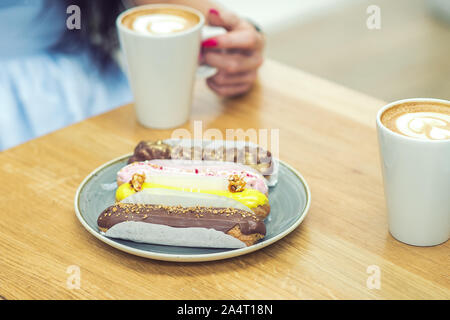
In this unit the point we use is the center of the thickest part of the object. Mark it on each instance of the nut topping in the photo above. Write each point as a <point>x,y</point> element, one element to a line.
<point>136,181</point>
<point>236,183</point>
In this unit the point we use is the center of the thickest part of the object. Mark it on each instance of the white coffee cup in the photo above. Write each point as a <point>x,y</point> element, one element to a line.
<point>162,68</point>
<point>416,175</point>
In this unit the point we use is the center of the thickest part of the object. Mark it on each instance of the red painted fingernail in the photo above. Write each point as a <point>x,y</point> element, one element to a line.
<point>214,11</point>
<point>209,43</point>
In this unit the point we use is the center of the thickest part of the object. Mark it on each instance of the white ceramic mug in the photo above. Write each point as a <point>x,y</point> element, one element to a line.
<point>162,68</point>
<point>416,175</point>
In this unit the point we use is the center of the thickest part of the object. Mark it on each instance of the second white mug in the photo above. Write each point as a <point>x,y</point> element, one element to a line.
<point>416,175</point>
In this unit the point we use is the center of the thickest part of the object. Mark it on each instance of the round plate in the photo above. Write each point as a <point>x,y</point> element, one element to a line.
<point>289,201</point>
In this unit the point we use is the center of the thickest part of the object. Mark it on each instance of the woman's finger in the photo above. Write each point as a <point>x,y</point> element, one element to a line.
<point>242,38</point>
<point>233,62</point>
<point>229,90</point>
<point>222,78</point>
<point>223,18</point>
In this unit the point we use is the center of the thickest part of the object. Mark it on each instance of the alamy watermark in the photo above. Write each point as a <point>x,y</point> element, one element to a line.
<point>374,278</point>
<point>74,279</point>
<point>265,139</point>
<point>73,21</point>
<point>373,21</point>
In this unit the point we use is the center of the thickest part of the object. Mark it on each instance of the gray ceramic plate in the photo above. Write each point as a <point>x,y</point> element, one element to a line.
<point>289,200</point>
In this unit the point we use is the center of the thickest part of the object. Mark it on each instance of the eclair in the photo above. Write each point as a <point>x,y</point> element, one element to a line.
<point>196,226</point>
<point>253,156</point>
<point>230,180</point>
<point>252,178</point>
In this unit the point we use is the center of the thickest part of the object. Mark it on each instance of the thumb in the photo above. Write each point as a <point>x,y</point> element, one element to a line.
<point>224,18</point>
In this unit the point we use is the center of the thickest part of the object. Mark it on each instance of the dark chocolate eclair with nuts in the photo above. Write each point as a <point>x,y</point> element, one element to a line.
<point>255,157</point>
<point>240,224</point>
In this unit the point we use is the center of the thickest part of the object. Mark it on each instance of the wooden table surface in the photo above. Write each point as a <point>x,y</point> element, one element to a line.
<point>327,132</point>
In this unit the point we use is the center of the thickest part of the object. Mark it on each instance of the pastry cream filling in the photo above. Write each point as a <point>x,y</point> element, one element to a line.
<point>249,197</point>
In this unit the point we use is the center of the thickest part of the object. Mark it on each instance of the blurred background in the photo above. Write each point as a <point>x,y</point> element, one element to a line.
<point>406,55</point>
<point>409,56</point>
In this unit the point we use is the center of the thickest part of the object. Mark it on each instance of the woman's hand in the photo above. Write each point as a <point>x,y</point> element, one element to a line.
<point>237,54</point>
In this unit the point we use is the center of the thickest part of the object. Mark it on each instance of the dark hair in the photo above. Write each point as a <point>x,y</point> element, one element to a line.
<point>98,30</point>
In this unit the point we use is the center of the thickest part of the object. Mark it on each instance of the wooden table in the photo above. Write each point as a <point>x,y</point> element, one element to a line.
<point>327,132</point>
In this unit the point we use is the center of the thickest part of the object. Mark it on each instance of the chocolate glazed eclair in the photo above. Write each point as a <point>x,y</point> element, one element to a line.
<point>242,225</point>
<point>255,157</point>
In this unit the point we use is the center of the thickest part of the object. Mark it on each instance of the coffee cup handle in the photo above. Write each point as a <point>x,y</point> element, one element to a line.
<point>205,71</point>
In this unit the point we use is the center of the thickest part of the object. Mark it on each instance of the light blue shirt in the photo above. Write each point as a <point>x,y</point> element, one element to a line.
<point>42,91</point>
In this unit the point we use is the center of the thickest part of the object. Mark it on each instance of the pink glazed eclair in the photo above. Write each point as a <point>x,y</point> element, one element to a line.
<point>252,178</point>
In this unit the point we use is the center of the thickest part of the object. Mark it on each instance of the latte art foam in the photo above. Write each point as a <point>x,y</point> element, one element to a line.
<point>419,120</point>
<point>159,24</point>
<point>161,21</point>
<point>425,125</point>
